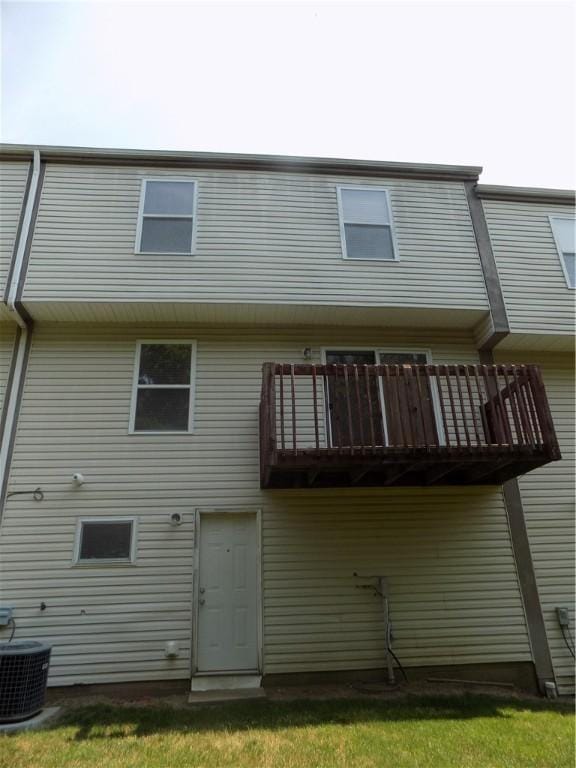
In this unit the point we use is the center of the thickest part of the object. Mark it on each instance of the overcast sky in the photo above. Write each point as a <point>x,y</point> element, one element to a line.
<point>488,83</point>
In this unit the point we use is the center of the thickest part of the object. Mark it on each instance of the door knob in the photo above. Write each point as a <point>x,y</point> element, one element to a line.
<point>202,590</point>
<point>202,601</point>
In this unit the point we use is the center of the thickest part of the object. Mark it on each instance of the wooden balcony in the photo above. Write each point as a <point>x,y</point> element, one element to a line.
<point>338,425</point>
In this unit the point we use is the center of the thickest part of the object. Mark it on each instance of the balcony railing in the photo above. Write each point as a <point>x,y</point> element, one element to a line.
<point>379,425</point>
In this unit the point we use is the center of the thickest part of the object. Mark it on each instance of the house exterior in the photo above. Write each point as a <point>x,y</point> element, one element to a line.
<point>247,390</point>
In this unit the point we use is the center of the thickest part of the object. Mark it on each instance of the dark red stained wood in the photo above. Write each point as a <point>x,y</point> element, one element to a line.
<point>503,414</point>
<point>529,397</point>
<point>472,406</point>
<point>452,406</point>
<point>505,396</point>
<point>421,407</point>
<point>282,433</point>
<point>509,397</point>
<point>481,407</point>
<point>524,413</point>
<point>293,394</point>
<point>370,409</point>
<point>348,409</point>
<point>442,406</point>
<point>315,405</point>
<point>359,405</point>
<point>462,406</point>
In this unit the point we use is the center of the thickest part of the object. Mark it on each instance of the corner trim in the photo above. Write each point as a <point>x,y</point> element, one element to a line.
<point>18,233</point>
<point>15,394</point>
<point>498,314</point>
<point>525,570</point>
<point>30,234</point>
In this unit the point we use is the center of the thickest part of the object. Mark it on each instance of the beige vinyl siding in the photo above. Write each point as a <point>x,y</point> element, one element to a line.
<point>7,336</point>
<point>455,597</point>
<point>261,238</point>
<point>535,292</point>
<point>13,175</point>
<point>549,505</point>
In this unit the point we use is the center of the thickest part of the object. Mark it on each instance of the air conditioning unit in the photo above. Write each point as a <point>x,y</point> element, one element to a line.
<point>23,675</point>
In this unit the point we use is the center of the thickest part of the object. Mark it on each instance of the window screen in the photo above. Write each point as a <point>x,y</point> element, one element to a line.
<point>106,540</point>
<point>366,224</point>
<point>163,388</point>
<point>167,217</point>
<point>565,234</point>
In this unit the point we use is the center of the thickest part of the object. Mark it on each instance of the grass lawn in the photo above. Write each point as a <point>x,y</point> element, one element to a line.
<point>432,732</point>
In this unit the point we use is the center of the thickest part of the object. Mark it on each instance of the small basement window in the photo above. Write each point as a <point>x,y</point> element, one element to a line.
<point>106,540</point>
<point>564,230</point>
<point>163,393</point>
<point>366,227</point>
<point>167,217</point>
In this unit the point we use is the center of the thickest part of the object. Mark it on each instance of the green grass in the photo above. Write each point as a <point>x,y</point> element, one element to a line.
<point>431,732</point>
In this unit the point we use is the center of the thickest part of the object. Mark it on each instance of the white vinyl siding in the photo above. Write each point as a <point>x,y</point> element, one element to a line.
<point>537,298</point>
<point>446,551</point>
<point>366,226</point>
<point>166,217</point>
<point>265,238</point>
<point>13,175</point>
<point>564,230</point>
<point>548,498</point>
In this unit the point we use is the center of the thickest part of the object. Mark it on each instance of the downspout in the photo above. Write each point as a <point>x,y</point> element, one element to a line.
<point>9,418</point>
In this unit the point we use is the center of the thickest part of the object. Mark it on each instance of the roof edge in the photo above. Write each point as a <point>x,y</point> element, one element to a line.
<point>287,163</point>
<point>526,194</point>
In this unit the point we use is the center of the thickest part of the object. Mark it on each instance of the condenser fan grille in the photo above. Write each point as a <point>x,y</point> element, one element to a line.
<point>23,676</point>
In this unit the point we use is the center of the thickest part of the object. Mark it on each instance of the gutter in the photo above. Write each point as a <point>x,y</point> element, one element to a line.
<point>526,194</point>
<point>236,161</point>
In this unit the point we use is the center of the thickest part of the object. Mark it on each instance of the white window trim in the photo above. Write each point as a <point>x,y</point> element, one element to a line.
<point>193,216</point>
<point>559,250</point>
<point>135,387</point>
<point>391,350</point>
<point>108,561</point>
<point>386,191</point>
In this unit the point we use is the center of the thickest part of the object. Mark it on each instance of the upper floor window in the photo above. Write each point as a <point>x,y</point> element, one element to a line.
<point>167,216</point>
<point>366,225</point>
<point>163,391</point>
<point>564,229</point>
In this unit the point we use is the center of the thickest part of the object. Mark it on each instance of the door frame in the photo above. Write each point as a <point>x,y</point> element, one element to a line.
<point>198,512</point>
<point>398,349</point>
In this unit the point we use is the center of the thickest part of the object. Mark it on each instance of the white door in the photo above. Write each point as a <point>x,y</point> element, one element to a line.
<point>228,593</point>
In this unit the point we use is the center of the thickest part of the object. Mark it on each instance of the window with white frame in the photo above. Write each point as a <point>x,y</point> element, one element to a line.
<point>110,540</point>
<point>163,386</point>
<point>167,216</point>
<point>366,226</point>
<point>564,230</point>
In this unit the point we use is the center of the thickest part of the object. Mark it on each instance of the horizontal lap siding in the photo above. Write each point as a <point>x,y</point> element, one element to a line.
<point>447,554</point>
<point>261,237</point>
<point>549,504</point>
<point>13,177</point>
<point>533,283</point>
